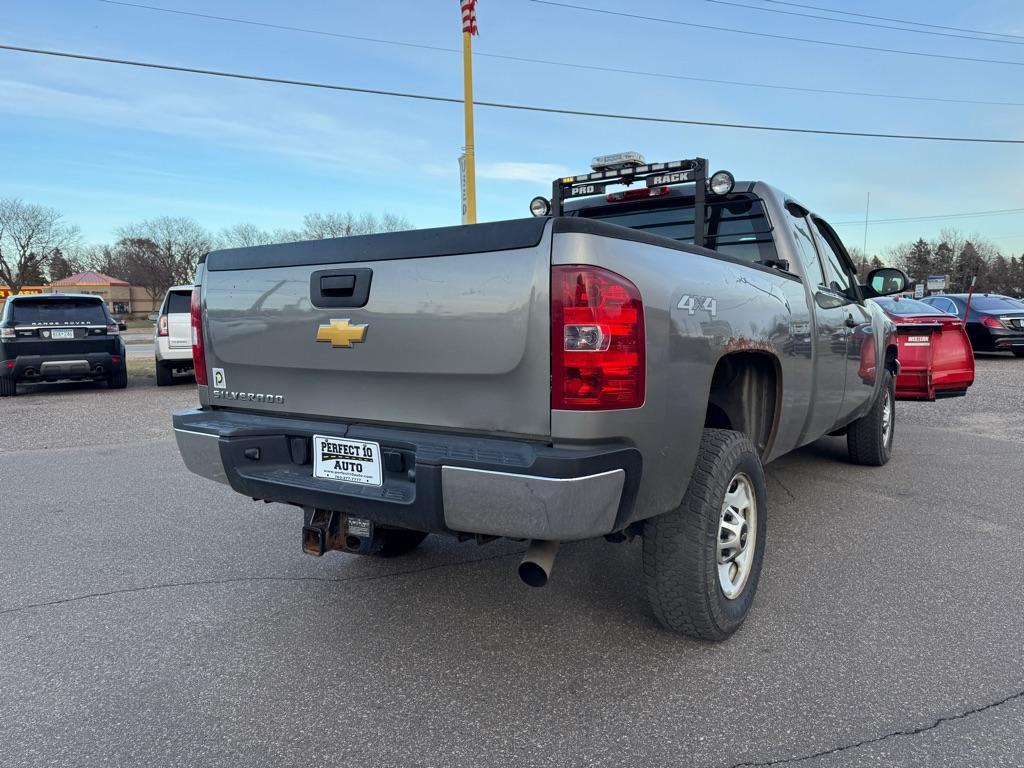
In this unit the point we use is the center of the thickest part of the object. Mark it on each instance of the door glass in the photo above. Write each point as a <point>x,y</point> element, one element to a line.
<point>835,271</point>
<point>805,249</point>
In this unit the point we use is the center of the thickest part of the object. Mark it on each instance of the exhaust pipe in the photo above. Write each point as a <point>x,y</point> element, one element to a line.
<point>535,569</point>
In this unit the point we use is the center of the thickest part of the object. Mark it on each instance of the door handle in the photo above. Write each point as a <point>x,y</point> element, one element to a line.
<point>850,322</point>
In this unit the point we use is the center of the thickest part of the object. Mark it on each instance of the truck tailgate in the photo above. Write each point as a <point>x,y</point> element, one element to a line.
<point>453,330</point>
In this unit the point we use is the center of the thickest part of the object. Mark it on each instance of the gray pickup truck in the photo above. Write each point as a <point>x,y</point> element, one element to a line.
<point>622,364</point>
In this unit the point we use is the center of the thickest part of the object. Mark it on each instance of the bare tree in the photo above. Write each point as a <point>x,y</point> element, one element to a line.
<point>29,237</point>
<point>319,226</point>
<point>245,235</point>
<point>162,252</point>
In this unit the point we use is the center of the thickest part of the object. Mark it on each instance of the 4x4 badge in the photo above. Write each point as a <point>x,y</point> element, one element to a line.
<point>341,333</point>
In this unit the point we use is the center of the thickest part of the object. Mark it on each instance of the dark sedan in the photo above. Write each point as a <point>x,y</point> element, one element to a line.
<point>995,323</point>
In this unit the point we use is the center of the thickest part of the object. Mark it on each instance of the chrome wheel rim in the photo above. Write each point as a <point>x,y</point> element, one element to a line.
<point>886,417</point>
<point>737,535</point>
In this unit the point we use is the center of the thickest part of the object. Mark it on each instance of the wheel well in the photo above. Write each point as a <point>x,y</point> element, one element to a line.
<point>890,358</point>
<point>743,396</point>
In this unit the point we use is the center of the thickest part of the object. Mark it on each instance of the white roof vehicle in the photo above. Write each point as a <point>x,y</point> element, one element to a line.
<point>173,335</point>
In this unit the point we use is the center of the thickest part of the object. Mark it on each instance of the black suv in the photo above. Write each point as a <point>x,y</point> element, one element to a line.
<point>56,337</point>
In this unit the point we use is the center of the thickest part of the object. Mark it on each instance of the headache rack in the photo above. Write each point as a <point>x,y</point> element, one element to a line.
<point>693,171</point>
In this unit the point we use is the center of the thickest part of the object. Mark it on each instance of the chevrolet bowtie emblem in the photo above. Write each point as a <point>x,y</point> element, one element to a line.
<point>341,333</point>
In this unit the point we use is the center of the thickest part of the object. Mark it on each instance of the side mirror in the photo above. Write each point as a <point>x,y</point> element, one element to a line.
<point>122,326</point>
<point>885,282</point>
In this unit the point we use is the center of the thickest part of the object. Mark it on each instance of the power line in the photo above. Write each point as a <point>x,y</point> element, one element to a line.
<point>941,217</point>
<point>752,33</point>
<point>566,64</point>
<point>498,104</point>
<point>886,18</point>
<point>866,23</point>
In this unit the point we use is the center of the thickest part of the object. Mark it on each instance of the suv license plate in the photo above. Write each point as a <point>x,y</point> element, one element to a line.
<point>62,333</point>
<point>350,461</point>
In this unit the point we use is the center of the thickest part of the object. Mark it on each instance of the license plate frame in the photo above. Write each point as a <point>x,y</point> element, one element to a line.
<point>344,460</point>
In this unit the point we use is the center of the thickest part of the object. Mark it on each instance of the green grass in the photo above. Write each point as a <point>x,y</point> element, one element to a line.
<point>142,367</point>
<point>140,325</point>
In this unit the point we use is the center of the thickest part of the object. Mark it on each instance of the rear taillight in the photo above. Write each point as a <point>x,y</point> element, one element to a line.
<point>161,326</point>
<point>198,350</point>
<point>113,330</point>
<point>991,322</point>
<point>6,333</point>
<point>597,340</point>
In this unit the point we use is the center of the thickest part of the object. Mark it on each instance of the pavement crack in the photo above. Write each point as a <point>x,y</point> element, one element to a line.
<point>891,735</point>
<point>242,579</point>
<point>782,485</point>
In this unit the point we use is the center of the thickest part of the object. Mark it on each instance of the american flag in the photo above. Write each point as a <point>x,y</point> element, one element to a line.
<point>469,17</point>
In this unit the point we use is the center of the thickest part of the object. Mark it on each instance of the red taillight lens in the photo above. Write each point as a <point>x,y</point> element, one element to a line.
<point>597,340</point>
<point>161,326</point>
<point>991,322</point>
<point>198,351</point>
<point>637,194</point>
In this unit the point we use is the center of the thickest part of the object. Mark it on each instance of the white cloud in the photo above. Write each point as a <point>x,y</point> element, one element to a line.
<point>535,173</point>
<point>269,125</point>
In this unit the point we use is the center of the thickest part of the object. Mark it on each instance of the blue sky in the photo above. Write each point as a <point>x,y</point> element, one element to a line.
<point>110,145</point>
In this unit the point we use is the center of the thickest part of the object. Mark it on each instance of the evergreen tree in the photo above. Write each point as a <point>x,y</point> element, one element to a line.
<point>917,262</point>
<point>969,264</point>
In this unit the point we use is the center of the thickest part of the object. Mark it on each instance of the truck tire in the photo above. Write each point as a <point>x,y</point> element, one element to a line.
<point>164,375</point>
<point>398,541</point>
<point>118,377</point>
<point>869,438</point>
<point>696,583</point>
<point>8,387</point>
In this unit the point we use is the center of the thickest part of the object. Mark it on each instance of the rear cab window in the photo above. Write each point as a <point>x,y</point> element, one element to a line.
<point>907,307</point>
<point>178,302</point>
<point>59,312</point>
<point>736,225</point>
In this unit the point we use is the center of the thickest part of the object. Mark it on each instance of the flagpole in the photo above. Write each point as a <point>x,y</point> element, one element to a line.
<point>467,67</point>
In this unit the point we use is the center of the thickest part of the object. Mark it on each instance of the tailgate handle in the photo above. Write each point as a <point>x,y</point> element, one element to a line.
<point>340,287</point>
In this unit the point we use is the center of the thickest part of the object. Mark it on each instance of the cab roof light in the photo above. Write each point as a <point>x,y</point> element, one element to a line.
<point>617,161</point>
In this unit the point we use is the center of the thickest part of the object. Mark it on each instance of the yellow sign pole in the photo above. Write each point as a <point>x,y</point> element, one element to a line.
<point>467,65</point>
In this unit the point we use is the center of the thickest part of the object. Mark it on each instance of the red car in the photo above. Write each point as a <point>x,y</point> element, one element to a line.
<point>935,354</point>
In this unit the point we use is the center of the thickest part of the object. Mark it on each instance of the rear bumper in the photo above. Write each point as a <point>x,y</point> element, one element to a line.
<point>432,481</point>
<point>165,353</point>
<point>73,365</point>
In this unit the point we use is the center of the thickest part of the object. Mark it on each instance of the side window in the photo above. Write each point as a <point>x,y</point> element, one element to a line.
<point>805,248</point>
<point>835,270</point>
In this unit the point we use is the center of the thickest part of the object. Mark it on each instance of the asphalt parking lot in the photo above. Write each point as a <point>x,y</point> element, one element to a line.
<point>152,618</point>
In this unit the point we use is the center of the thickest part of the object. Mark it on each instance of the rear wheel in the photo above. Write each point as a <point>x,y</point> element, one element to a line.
<point>870,437</point>
<point>8,387</point>
<point>118,377</point>
<point>164,375</point>
<point>702,560</point>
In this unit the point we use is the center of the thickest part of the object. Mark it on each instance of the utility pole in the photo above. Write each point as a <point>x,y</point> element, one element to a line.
<point>867,210</point>
<point>469,29</point>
